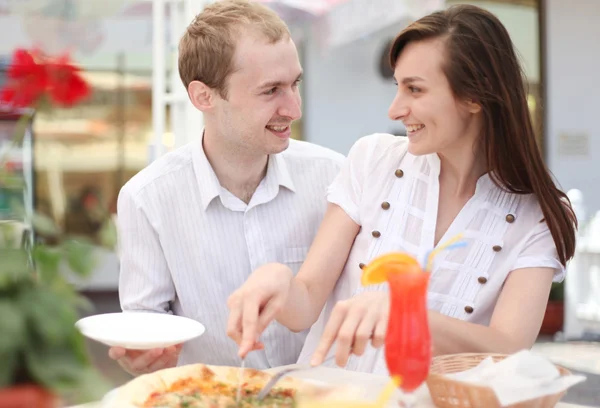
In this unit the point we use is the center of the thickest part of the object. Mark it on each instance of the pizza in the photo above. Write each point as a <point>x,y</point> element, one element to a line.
<point>203,386</point>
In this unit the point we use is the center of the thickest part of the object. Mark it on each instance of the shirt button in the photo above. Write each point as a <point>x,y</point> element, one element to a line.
<point>482,280</point>
<point>468,309</point>
<point>361,265</point>
<point>510,218</point>
<point>385,205</point>
<point>376,234</point>
<point>497,248</point>
<point>399,173</point>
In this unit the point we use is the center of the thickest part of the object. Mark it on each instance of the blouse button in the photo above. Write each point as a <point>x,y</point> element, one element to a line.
<point>510,218</point>
<point>497,248</point>
<point>468,309</point>
<point>376,234</point>
<point>385,205</point>
<point>399,173</point>
<point>361,265</point>
<point>482,280</point>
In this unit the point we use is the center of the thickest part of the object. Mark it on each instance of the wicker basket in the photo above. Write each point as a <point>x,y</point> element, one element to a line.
<point>449,393</point>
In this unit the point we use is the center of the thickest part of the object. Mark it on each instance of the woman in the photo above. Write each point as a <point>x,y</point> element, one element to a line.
<point>470,165</point>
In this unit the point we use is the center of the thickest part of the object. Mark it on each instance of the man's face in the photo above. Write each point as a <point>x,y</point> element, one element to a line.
<point>263,98</point>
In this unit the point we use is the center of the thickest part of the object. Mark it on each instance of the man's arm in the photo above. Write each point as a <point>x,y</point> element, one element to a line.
<point>145,282</point>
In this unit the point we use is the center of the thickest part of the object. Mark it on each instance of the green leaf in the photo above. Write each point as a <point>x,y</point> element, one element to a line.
<point>12,326</point>
<point>8,368</point>
<point>14,267</point>
<point>80,257</point>
<point>89,386</point>
<point>65,372</point>
<point>20,129</point>
<point>108,234</point>
<point>13,332</point>
<point>44,225</point>
<point>54,367</point>
<point>47,262</point>
<point>9,181</point>
<point>50,314</point>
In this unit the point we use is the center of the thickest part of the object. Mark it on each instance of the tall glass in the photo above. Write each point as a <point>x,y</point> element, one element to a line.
<point>408,339</point>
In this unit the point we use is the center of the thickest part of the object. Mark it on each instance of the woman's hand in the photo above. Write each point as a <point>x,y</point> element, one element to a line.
<point>256,303</point>
<point>353,323</point>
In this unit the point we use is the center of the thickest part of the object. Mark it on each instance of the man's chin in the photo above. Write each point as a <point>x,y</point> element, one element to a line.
<point>279,147</point>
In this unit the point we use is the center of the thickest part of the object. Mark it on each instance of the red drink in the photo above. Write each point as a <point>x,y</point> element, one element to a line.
<point>408,340</point>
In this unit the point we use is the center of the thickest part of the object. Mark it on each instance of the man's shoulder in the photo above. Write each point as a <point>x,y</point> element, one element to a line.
<point>306,151</point>
<point>176,161</point>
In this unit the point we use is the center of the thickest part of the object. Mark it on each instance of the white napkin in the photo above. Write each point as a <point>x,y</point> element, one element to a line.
<point>519,377</point>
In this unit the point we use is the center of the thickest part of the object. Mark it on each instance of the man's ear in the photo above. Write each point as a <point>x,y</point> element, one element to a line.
<point>201,95</point>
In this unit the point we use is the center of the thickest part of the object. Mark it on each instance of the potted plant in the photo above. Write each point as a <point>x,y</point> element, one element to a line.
<point>555,310</point>
<point>44,358</point>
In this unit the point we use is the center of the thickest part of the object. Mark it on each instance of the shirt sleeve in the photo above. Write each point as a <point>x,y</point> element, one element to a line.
<point>145,282</point>
<point>346,189</point>
<point>540,251</point>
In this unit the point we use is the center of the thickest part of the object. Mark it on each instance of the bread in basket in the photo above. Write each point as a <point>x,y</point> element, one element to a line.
<point>449,393</point>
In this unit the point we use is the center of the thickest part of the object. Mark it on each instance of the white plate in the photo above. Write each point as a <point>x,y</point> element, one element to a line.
<point>139,330</point>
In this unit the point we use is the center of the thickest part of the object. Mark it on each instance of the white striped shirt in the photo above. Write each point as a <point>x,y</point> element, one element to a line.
<point>186,243</point>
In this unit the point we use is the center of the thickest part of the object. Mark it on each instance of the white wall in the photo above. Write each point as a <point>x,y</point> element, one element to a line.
<point>573,96</point>
<point>344,95</point>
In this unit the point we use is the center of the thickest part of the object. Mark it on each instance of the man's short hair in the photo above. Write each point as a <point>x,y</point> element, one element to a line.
<point>206,49</point>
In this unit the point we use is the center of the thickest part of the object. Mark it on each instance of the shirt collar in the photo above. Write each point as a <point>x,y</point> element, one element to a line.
<point>278,168</point>
<point>208,184</point>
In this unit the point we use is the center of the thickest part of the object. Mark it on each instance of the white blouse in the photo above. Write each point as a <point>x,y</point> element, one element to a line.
<point>393,196</point>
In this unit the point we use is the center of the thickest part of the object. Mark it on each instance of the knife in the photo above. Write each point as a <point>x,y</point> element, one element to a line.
<point>240,381</point>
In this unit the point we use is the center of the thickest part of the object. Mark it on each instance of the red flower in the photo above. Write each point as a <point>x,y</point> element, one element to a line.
<point>31,76</point>
<point>65,85</point>
<point>27,80</point>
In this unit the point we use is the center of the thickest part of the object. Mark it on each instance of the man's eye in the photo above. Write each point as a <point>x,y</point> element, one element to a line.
<point>271,91</point>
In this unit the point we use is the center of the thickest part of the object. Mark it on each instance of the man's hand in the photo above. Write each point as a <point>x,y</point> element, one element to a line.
<point>137,362</point>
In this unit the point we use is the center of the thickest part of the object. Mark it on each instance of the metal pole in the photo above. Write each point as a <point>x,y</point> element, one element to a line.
<point>158,78</point>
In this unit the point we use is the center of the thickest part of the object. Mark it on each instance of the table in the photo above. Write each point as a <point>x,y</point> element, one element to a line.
<point>372,384</point>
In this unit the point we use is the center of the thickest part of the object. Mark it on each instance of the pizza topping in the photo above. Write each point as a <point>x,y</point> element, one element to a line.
<point>195,393</point>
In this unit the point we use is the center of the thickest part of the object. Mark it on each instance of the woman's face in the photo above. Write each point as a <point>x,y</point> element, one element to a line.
<point>435,121</point>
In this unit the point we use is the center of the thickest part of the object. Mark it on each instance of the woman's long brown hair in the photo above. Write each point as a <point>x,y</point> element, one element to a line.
<point>481,65</point>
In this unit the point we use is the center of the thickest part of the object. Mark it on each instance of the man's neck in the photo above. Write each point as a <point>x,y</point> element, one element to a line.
<point>239,172</point>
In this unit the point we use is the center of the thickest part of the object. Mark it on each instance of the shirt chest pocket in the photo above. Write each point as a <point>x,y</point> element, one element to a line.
<point>291,256</point>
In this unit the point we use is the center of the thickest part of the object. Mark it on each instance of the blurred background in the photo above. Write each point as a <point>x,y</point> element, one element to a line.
<point>78,159</point>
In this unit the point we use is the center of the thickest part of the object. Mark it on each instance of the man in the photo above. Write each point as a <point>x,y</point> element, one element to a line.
<point>195,223</point>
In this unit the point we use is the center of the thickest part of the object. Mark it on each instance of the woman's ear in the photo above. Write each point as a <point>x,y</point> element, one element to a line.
<point>472,106</point>
<point>201,95</point>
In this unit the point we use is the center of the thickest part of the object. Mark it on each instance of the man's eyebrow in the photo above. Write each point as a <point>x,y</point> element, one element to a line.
<point>273,84</point>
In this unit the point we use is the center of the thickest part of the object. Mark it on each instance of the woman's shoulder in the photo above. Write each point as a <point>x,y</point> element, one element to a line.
<point>380,142</point>
<point>379,148</point>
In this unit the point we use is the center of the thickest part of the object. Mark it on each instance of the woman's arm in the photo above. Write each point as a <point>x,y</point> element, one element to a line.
<point>320,271</point>
<point>272,291</point>
<point>515,323</point>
